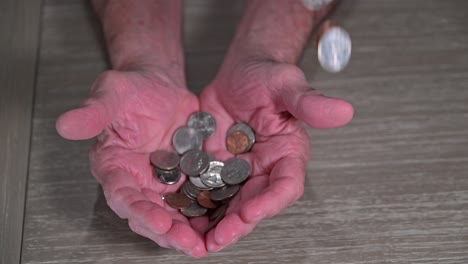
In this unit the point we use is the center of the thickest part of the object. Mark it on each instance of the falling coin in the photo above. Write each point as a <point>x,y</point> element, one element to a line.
<point>224,192</point>
<point>235,171</point>
<point>334,48</point>
<point>177,200</point>
<point>165,159</point>
<point>194,162</point>
<point>212,177</point>
<point>204,200</point>
<point>194,209</point>
<point>203,122</point>
<point>185,139</point>
<point>168,176</point>
<point>237,142</point>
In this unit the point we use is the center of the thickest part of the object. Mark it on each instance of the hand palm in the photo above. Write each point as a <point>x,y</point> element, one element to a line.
<point>138,114</point>
<point>270,97</point>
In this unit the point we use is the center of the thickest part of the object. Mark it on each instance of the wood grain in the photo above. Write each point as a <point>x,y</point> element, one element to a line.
<point>390,187</point>
<point>19,39</point>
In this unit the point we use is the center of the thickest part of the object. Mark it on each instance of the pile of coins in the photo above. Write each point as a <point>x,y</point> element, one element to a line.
<point>211,183</point>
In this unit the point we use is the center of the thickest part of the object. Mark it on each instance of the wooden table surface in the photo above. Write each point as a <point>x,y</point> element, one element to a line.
<point>390,187</point>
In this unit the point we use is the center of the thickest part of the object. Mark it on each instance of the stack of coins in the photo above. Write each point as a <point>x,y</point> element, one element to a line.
<point>211,183</point>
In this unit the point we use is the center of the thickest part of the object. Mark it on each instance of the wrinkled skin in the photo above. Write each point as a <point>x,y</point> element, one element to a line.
<point>272,98</point>
<point>137,113</point>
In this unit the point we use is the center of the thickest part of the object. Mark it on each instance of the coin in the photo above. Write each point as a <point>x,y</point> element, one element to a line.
<point>177,200</point>
<point>235,171</point>
<point>212,177</point>
<point>204,200</point>
<point>203,122</point>
<point>194,162</point>
<point>247,130</point>
<point>334,49</point>
<point>168,176</point>
<point>165,159</point>
<point>190,190</point>
<point>194,209</point>
<point>216,217</point>
<point>237,142</point>
<point>224,192</point>
<point>315,4</point>
<point>185,139</point>
<point>196,181</point>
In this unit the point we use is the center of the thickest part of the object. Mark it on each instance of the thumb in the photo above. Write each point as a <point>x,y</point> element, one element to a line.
<point>316,110</point>
<point>85,122</point>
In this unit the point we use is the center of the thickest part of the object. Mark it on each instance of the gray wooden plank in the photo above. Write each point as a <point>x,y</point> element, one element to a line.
<point>391,187</point>
<point>19,39</point>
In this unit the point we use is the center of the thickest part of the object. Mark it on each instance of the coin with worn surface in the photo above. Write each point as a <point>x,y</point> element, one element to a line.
<point>194,162</point>
<point>186,138</point>
<point>167,176</point>
<point>196,181</point>
<point>194,209</point>
<point>211,177</point>
<point>165,159</point>
<point>315,4</point>
<point>203,122</point>
<point>190,190</point>
<point>334,49</point>
<point>235,171</point>
<point>224,192</point>
<point>246,129</point>
<point>237,142</point>
<point>204,200</point>
<point>177,200</point>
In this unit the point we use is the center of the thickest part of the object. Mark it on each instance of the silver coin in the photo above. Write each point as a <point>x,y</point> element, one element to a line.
<point>194,162</point>
<point>224,192</point>
<point>194,210</point>
<point>212,177</point>
<point>315,4</point>
<point>196,181</point>
<point>203,122</point>
<point>185,139</point>
<point>165,159</point>
<point>190,190</point>
<point>247,130</point>
<point>168,176</point>
<point>334,49</point>
<point>235,171</point>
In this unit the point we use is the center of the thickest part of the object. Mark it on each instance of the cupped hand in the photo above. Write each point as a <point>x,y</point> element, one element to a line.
<point>273,98</point>
<point>133,114</point>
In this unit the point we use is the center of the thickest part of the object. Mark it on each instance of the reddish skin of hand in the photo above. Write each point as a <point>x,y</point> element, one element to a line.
<point>259,84</point>
<point>135,110</point>
<point>137,113</point>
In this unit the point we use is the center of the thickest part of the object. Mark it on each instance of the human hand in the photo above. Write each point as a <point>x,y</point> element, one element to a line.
<point>134,113</point>
<point>273,98</point>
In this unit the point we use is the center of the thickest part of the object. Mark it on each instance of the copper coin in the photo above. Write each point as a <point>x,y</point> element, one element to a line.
<point>237,142</point>
<point>204,200</point>
<point>177,200</point>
